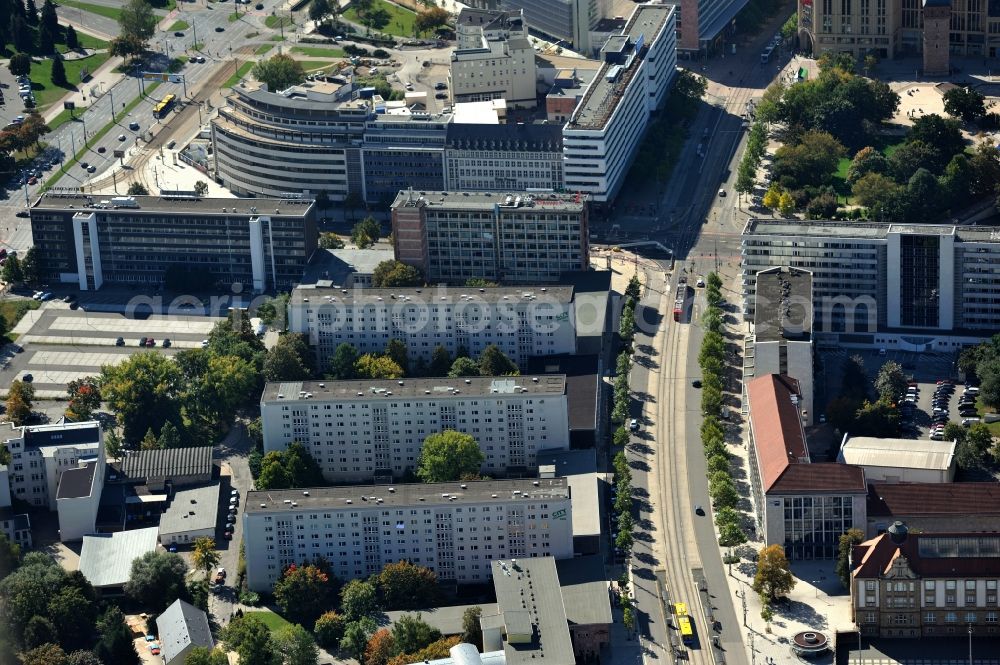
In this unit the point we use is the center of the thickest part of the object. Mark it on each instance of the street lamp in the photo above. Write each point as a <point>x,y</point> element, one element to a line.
<point>970,644</point>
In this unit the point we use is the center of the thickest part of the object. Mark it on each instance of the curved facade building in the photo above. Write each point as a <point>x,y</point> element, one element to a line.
<point>304,140</point>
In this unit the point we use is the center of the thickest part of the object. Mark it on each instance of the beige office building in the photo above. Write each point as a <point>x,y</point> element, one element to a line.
<point>494,59</point>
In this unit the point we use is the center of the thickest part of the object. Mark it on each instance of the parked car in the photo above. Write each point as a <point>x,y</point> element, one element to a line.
<point>166,343</point>
<point>120,341</point>
<point>121,137</point>
<point>633,425</point>
<point>150,342</point>
<point>178,34</point>
<point>220,576</point>
<point>45,297</point>
<point>28,378</point>
<point>440,85</point>
<point>142,341</point>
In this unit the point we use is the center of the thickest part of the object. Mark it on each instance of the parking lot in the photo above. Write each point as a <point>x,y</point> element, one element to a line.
<point>60,345</point>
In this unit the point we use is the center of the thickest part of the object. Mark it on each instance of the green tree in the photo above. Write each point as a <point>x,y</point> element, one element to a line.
<point>72,41</point>
<point>410,633</point>
<point>144,391</point>
<point>867,160</point>
<point>879,419</point>
<point>137,21</point>
<point>772,198</point>
<point>319,9</point>
<point>279,72</point>
<point>273,474</point>
<point>358,600</point>
<point>112,444</point>
<point>282,363</point>
<point>449,455</point>
<point>430,18</point>
<point>169,437</point>
<point>812,161</point>
<point>356,635</point>
<point>11,271</point>
<point>330,241</point>
<point>157,579</point>
<point>846,543</point>
<point>295,645</point>
<point>472,631</point>
<point>10,556</point>
<point>46,654</point>
<point>943,135</point>
<point>891,381</point>
<point>972,452</point>
<point>303,593</point>
<point>393,273</point>
<point>396,351</point>
<point>205,556</point>
<point>773,578</point>
<point>440,362</point>
<point>786,204</point>
<point>39,631</point>
<point>872,188</point>
<point>205,656</point>
<point>365,233</point>
<point>329,630</point>
<point>731,535</point>
<point>405,586</point>
<point>251,639</point>
<point>136,188</point>
<point>342,363</point>
<point>200,188</point>
<point>493,362</point>
<point>464,367</point>
<point>372,366</point>
<point>59,72</point>
<point>19,405</point>
<point>20,64</point>
<point>149,441</point>
<point>965,103</point>
<point>73,614</point>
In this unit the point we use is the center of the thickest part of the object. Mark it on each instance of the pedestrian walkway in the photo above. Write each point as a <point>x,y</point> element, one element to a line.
<point>100,81</point>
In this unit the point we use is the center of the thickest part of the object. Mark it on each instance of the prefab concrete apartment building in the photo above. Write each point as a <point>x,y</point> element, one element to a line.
<point>522,322</point>
<point>263,244</point>
<point>933,284</point>
<point>603,134</point>
<point>455,529</point>
<point>505,237</point>
<point>364,429</point>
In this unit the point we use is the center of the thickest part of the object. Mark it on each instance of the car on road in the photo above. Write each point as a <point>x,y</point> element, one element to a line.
<point>74,305</point>
<point>696,383</point>
<point>120,341</point>
<point>700,283</point>
<point>722,193</point>
<point>259,6</point>
<point>228,535</point>
<point>219,28</point>
<point>84,165</point>
<point>45,297</point>
<point>28,378</point>
<point>698,510</point>
<point>102,149</point>
<point>441,95</point>
<point>23,213</point>
<point>36,295</point>
<point>633,425</point>
<point>178,34</point>
<point>204,343</point>
<point>408,86</point>
<point>18,120</point>
<point>154,648</point>
<point>91,168</point>
<point>32,180</point>
<point>121,137</point>
<point>134,126</point>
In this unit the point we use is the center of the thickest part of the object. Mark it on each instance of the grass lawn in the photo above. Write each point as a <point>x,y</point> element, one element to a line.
<point>64,117</point>
<point>71,161</point>
<point>276,38</point>
<point>47,93</point>
<point>85,41</point>
<point>264,48</point>
<point>276,21</point>
<point>270,619</point>
<point>983,410</point>
<point>241,71</point>
<point>13,311</point>
<point>112,13</point>
<point>313,65</point>
<point>400,19</point>
<point>319,52</point>
<point>234,17</point>
<point>179,25</point>
<point>840,176</point>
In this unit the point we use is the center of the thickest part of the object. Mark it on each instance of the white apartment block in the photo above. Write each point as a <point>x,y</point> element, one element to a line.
<point>455,529</point>
<point>494,59</point>
<point>510,238</point>
<point>40,454</point>
<point>361,429</point>
<point>940,281</point>
<point>522,322</point>
<point>603,134</point>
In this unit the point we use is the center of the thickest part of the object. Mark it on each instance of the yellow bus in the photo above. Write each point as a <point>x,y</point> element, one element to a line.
<point>163,106</point>
<point>687,634</point>
<point>680,609</point>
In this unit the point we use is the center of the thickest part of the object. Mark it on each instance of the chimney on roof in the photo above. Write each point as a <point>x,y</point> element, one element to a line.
<point>897,532</point>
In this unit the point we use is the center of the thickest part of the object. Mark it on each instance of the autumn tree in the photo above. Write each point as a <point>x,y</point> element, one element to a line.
<point>304,592</point>
<point>205,556</point>
<point>380,648</point>
<point>774,577</point>
<point>375,366</point>
<point>19,405</point>
<point>405,586</point>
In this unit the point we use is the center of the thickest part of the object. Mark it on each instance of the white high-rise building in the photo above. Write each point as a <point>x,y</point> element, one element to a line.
<point>357,430</point>
<point>494,59</point>
<point>603,134</point>
<point>455,529</point>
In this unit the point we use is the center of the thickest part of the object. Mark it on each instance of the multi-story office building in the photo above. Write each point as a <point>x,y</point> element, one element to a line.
<point>455,529</point>
<point>934,281</point>
<point>362,429</point>
<point>263,244</point>
<point>515,237</point>
<point>403,151</point>
<point>705,25</point>
<point>932,28</point>
<point>604,132</point>
<point>805,507</point>
<point>493,59</point>
<point>512,156</point>
<point>914,585</point>
<point>305,140</point>
<point>522,322</point>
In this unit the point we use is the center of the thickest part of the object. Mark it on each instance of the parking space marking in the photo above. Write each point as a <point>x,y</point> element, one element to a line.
<point>74,359</point>
<point>130,342</point>
<point>149,326</point>
<point>56,377</point>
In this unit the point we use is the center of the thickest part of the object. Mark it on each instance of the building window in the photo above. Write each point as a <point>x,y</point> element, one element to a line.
<point>930,617</point>
<point>950,617</point>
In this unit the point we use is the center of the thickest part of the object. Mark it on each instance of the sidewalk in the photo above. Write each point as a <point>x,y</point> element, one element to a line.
<point>103,79</point>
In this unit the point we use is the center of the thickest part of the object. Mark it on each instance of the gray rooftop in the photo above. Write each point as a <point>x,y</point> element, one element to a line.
<point>868,230</point>
<point>385,496</point>
<point>363,390</point>
<point>579,468</point>
<point>141,465</point>
<point>601,98</point>
<point>784,304</point>
<point>447,619</point>
<point>524,202</point>
<point>192,509</point>
<point>76,483</point>
<point>431,296</point>
<point>528,593</point>
<point>584,590</point>
<point>106,559</point>
<point>61,434</point>
<point>181,625</point>
<point>180,205</point>
<point>898,453</point>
